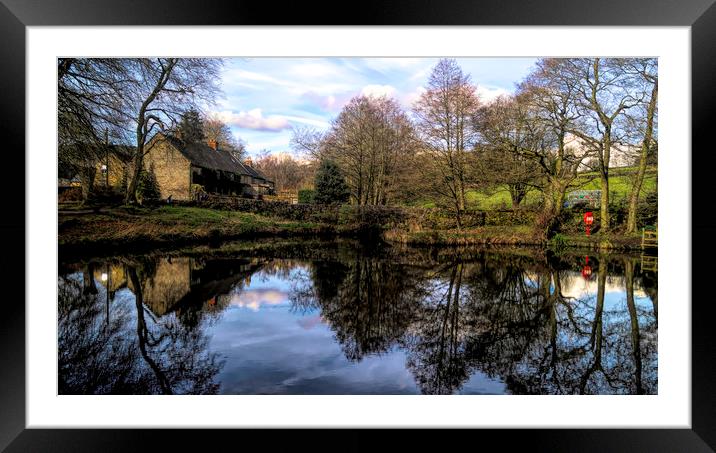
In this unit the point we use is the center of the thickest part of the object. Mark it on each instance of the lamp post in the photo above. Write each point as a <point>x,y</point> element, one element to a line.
<point>107,283</point>
<point>106,148</point>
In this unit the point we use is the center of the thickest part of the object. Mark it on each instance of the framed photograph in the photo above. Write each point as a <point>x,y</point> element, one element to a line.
<point>410,217</point>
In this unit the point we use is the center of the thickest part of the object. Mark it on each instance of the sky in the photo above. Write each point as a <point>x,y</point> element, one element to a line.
<point>264,98</point>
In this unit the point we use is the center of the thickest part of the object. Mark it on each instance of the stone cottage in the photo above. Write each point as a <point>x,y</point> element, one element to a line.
<point>181,169</point>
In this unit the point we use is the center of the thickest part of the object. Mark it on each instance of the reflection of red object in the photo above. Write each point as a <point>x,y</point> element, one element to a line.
<point>587,271</point>
<point>212,301</point>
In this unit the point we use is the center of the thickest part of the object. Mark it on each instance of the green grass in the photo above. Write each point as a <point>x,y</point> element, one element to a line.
<point>620,185</point>
<point>499,197</point>
<point>166,224</point>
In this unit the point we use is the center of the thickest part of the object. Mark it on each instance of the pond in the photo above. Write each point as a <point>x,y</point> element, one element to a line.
<point>338,318</point>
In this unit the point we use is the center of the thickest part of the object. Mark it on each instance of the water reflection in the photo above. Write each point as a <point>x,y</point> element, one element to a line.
<point>351,321</point>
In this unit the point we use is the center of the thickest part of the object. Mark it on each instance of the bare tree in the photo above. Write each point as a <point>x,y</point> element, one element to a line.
<point>512,147</point>
<point>444,114</point>
<point>552,95</point>
<point>605,92</point>
<point>286,172</point>
<point>89,94</point>
<point>370,140</point>
<point>646,70</point>
<point>307,142</point>
<point>162,89</point>
<point>220,132</point>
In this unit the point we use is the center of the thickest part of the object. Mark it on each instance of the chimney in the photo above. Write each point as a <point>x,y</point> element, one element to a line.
<point>249,162</point>
<point>213,144</point>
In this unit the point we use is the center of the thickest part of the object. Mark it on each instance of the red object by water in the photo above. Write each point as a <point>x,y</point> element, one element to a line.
<point>588,220</point>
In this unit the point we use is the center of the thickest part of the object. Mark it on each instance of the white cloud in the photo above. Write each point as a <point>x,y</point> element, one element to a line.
<point>255,299</point>
<point>294,85</point>
<point>487,95</point>
<point>254,119</point>
<point>409,99</point>
<point>327,102</point>
<point>378,90</point>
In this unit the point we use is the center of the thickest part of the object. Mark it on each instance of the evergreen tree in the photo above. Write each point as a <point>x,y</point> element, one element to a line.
<point>330,184</point>
<point>191,127</point>
<point>148,187</point>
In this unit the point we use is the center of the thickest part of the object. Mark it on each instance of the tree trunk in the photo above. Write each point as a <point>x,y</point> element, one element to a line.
<point>604,206</point>
<point>559,193</point>
<point>143,129</point>
<point>517,194</point>
<point>548,197</point>
<point>634,322</point>
<point>645,146</point>
<point>462,193</point>
<point>88,283</point>
<point>131,196</point>
<point>604,179</point>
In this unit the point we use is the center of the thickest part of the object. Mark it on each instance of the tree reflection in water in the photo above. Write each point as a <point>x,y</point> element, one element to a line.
<point>508,318</point>
<point>532,322</point>
<point>128,350</point>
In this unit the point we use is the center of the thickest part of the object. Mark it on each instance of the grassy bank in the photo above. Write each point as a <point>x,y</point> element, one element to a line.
<point>83,230</point>
<point>122,226</point>
<point>619,187</point>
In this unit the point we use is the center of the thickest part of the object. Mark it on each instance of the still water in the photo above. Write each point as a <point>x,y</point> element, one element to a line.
<point>327,318</point>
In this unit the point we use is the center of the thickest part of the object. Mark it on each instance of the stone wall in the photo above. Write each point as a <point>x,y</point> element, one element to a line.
<point>171,169</point>
<point>411,218</point>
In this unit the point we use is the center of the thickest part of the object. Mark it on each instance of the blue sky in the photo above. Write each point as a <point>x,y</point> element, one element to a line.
<point>264,98</point>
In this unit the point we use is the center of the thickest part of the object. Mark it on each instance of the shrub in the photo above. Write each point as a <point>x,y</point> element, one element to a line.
<point>280,209</point>
<point>147,187</point>
<point>618,211</point>
<point>197,191</point>
<point>70,194</point>
<point>558,242</point>
<point>546,224</point>
<point>306,195</point>
<point>648,209</point>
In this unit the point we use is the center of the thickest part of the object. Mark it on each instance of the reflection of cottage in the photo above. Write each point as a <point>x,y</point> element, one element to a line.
<point>182,283</point>
<point>180,167</point>
<point>169,282</point>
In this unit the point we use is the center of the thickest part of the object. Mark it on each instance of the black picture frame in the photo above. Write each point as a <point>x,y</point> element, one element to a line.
<point>16,15</point>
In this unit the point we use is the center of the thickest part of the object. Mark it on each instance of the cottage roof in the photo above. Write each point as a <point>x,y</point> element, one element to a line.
<point>202,155</point>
